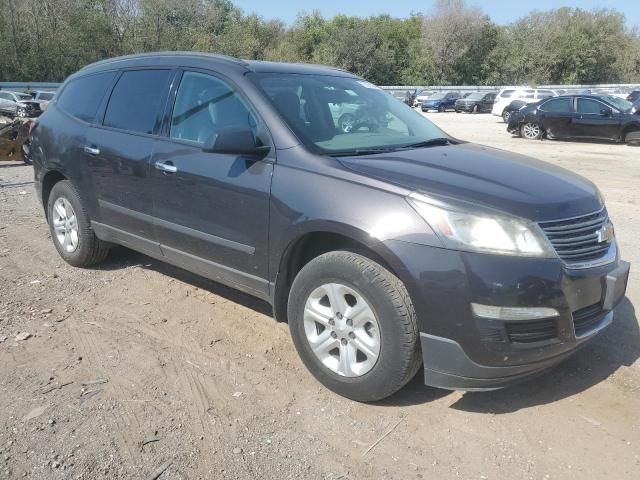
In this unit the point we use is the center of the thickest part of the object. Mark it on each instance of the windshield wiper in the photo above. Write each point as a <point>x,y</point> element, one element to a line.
<point>434,142</point>
<point>360,151</point>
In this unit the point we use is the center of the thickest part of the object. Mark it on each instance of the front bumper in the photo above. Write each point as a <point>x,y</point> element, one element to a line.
<point>462,351</point>
<point>465,107</point>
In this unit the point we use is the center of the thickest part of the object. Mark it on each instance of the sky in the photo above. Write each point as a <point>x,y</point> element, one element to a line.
<point>501,12</point>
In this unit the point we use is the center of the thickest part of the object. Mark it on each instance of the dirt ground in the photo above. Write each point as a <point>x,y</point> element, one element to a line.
<point>136,364</point>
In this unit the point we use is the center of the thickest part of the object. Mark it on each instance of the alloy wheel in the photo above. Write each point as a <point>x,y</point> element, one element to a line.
<point>65,225</point>
<point>342,330</point>
<point>531,130</point>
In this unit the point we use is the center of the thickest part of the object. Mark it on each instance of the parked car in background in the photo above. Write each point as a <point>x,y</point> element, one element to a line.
<point>18,104</point>
<point>476,102</point>
<point>633,96</point>
<point>43,98</point>
<point>440,101</point>
<point>602,117</point>
<point>514,106</point>
<point>385,249</point>
<point>421,96</point>
<point>529,95</point>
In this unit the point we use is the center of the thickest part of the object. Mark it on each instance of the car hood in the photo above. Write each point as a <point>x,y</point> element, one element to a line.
<point>508,182</point>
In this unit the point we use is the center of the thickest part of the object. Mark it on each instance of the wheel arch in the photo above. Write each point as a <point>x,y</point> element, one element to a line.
<point>312,243</point>
<point>48,181</point>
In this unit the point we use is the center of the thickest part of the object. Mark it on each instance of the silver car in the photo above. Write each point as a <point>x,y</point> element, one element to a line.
<point>18,104</point>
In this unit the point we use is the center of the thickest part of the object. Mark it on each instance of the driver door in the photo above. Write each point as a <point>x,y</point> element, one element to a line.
<point>211,210</point>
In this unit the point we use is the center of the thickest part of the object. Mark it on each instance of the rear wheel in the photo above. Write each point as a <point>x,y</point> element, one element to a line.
<point>70,228</point>
<point>531,131</point>
<point>475,109</point>
<point>441,108</point>
<point>632,139</point>
<point>354,326</point>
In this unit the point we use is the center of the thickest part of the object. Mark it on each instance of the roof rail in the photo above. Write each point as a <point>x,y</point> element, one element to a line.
<point>217,56</point>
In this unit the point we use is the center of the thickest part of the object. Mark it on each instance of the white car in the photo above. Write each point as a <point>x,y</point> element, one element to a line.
<point>508,94</point>
<point>422,95</point>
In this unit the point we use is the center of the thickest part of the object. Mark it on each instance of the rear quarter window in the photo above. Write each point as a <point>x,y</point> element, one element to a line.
<point>82,96</point>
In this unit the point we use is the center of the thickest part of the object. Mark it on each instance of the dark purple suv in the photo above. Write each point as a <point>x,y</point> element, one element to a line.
<point>387,247</point>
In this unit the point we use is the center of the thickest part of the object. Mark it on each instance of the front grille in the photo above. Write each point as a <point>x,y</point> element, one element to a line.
<point>577,239</point>
<point>587,318</point>
<point>533,331</point>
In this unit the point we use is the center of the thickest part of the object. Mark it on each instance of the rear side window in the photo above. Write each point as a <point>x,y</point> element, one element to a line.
<point>507,93</point>
<point>136,100</point>
<point>82,96</point>
<point>558,105</point>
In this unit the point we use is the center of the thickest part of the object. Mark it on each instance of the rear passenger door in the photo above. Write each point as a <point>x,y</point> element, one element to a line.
<point>212,209</point>
<point>556,116</point>
<point>118,152</point>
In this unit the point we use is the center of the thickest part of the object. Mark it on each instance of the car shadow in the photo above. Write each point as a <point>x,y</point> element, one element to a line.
<point>122,257</point>
<point>618,345</point>
<point>12,163</point>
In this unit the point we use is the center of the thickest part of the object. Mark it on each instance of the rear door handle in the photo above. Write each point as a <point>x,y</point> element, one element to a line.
<point>92,150</point>
<point>166,167</point>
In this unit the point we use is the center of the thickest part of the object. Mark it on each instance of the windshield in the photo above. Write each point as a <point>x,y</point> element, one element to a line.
<point>619,103</point>
<point>476,96</point>
<point>23,96</point>
<point>342,115</point>
<point>437,96</point>
<point>45,96</point>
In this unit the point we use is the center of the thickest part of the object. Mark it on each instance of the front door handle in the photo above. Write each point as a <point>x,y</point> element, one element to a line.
<point>167,167</point>
<point>92,150</point>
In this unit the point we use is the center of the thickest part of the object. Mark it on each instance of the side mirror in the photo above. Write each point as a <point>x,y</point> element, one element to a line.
<point>606,112</point>
<point>235,140</point>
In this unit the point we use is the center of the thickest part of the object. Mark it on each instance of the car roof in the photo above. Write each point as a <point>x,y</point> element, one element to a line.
<point>178,58</point>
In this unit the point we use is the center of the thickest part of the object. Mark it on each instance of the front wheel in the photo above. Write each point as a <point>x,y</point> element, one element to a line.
<point>26,153</point>
<point>531,131</point>
<point>475,109</point>
<point>505,116</point>
<point>632,139</point>
<point>441,108</point>
<point>354,326</point>
<point>21,112</point>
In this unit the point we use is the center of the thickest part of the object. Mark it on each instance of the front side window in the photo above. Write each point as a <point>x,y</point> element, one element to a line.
<point>205,105</point>
<point>82,96</point>
<point>586,105</point>
<point>342,115</point>
<point>136,100</point>
<point>558,105</point>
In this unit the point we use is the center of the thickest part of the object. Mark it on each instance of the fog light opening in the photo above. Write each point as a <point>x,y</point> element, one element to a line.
<point>512,313</point>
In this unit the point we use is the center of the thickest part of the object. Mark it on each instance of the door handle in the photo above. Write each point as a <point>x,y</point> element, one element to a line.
<point>92,150</point>
<point>166,167</point>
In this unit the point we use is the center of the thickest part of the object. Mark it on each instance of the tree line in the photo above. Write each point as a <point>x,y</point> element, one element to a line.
<point>452,44</point>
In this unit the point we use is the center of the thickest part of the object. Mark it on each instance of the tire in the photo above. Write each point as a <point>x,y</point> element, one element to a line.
<point>346,122</point>
<point>89,250</point>
<point>505,116</point>
<point>475,109</point>
<point>356,281</point>
<point>633,139</point>
<point>20,112</point>
<point>441,108</point>
<point>531,131</point>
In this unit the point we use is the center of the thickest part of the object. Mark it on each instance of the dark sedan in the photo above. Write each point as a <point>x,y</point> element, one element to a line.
<point>602,117</point>
<point>476,102</point>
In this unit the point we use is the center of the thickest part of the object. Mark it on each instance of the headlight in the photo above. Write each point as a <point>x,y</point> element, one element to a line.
<point>481,230</point>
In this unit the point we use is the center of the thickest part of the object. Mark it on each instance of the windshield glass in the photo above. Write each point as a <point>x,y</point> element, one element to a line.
<point>437,96</point>
<point>45,96</point>
<point>476,96</point>
<point>23,96</point>
<point>619,103</point>
<point>333,115</point>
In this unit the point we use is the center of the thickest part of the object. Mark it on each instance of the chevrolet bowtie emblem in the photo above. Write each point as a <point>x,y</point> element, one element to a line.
<point>605,233</point>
